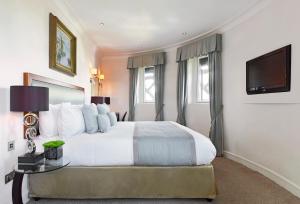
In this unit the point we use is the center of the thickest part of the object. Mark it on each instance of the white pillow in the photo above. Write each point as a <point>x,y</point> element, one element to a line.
<point>103,122</point>
<point>113,118</point>
<point>103,108</point>
<point>70,120</point>
<point>48,125</point>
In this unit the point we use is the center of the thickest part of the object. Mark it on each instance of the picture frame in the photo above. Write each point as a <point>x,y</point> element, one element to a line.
<point>62,47</point>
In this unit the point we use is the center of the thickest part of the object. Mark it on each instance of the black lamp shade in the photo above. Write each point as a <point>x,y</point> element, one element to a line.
<point>29,98</point>
<point>100,100</point>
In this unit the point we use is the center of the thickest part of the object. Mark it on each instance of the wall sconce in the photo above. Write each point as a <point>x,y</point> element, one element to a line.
<point>93,72</point>
<point>101,78</point>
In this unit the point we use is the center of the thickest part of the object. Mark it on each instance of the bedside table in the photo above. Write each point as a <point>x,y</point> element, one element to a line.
<point>42,167</point>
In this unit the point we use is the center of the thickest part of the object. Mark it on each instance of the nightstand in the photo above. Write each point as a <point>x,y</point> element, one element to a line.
<point>43,167</point>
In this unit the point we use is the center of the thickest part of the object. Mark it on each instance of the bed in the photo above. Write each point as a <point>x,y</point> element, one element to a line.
<point>103,166</point>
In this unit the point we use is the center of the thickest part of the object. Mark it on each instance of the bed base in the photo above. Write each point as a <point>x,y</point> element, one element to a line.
<point>125,182</point>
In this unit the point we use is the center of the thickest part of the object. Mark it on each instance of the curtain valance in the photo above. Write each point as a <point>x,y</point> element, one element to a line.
<point>201,47</point>
<point>151,59</point>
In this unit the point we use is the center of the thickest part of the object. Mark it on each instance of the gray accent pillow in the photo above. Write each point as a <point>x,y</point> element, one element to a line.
<point>90,114</point>
<point>103,108</point>
<point>113,118</point>
<point>103,122</point>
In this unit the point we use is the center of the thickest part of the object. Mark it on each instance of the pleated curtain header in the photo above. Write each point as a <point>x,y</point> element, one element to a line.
<point>201,47</point>
<point>152,59</point>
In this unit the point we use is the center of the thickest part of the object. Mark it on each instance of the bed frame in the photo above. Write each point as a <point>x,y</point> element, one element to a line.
<point>116,181</point>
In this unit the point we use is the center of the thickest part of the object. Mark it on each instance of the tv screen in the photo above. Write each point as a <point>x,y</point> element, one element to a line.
<point>269,73</point>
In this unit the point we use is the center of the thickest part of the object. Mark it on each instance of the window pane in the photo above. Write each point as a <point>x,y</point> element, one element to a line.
<point>149,86</point>
<point>203,81</point>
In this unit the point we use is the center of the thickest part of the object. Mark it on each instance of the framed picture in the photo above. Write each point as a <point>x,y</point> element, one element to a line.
<point>62,47</point>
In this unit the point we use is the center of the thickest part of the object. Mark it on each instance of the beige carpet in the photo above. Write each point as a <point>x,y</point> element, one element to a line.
<point>236,185</point>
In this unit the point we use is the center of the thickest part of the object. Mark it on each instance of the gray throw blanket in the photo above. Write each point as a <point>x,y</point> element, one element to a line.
<point>162,144</point>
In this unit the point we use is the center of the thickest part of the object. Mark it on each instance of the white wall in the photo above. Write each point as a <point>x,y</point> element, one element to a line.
<point>263,130</point>
<point>116,85</point>
<point>24,48</point>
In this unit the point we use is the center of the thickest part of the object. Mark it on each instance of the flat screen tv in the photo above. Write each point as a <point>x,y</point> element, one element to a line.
<point>269,73</point>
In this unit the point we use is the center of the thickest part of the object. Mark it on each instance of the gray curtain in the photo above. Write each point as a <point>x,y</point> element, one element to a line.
<point>146,60</point>
<point>216,104</point>
<point>181,91</point>
<point>211,46</point>
<point>159,91</point>
<point>133,77</point>
<point>200,47</point>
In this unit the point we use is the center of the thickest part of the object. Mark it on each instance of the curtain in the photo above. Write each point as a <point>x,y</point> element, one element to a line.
<point>181,91</point>
<point>216,104</point>
<point>146,60</point>
<point>200,47</point>
<point>133,77</point>
<point>211,46</point>
<point>159,91</point>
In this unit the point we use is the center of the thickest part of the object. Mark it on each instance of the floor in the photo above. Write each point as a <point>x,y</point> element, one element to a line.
<point>236,184</point>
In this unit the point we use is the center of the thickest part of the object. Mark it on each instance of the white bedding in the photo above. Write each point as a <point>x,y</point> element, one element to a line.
<point>115,147</point>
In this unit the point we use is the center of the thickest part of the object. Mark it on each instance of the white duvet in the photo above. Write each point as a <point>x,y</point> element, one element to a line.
<point>115,148</point>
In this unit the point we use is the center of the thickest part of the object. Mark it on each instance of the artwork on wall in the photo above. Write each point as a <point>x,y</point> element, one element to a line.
<point>62,47</point>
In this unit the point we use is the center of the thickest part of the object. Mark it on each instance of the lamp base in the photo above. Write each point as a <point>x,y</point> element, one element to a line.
<point>31,148</point>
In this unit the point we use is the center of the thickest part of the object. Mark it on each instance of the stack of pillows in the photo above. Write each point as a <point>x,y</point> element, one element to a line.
<point>68,120</point>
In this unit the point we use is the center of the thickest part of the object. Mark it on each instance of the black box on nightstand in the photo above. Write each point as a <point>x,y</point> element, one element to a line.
<point>31,158</point>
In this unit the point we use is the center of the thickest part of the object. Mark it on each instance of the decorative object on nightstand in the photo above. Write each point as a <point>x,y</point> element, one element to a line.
<point>53,149</point>
<point>30,99</point>
<point>100,100</point>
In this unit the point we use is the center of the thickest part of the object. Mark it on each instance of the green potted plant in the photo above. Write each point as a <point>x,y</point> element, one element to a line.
<point>53,149</point>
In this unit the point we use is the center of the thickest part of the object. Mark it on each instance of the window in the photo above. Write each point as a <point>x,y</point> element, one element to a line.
<point>203,80</point>
<point>149,85</point>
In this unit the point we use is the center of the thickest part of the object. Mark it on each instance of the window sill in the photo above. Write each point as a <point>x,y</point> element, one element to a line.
<point>146,103</point>
<point>199,103</point>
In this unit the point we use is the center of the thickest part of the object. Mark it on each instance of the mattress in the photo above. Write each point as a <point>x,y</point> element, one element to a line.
<point>115,147</point>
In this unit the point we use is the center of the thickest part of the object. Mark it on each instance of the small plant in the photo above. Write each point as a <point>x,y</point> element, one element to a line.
<point>53,144</point>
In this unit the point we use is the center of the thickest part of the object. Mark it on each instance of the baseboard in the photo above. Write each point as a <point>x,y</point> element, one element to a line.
<point>277,178</point>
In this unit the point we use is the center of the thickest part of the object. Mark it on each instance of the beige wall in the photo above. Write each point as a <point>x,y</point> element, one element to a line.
<point>24,48</point>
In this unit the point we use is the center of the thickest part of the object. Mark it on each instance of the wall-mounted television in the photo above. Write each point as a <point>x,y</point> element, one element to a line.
<point>269,73</point>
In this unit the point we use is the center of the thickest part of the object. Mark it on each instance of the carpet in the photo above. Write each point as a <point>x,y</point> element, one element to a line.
<point>236,184</point>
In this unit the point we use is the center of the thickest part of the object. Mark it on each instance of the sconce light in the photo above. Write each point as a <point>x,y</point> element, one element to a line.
<point>101,77</point>
<point>93,72</point>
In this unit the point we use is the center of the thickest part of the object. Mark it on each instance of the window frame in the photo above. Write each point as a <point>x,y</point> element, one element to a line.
<point>201,101</point>
<point>142,85</point>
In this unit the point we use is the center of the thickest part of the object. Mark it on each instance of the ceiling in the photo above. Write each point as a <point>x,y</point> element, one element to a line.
<point>142,25</point>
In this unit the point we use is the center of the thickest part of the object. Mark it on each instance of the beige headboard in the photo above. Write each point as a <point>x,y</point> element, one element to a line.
<point>59,92</point>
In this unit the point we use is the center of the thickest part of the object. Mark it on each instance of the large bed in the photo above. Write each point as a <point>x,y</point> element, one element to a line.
<point>103,164</point>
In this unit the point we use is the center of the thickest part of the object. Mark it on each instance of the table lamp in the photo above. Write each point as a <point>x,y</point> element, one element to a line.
<point>29,99</point>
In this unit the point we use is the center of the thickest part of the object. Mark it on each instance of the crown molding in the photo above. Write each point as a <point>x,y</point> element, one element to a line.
<point>67,12</point>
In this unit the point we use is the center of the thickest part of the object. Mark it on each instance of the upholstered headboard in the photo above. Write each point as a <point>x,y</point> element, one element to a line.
<point>59,92</point>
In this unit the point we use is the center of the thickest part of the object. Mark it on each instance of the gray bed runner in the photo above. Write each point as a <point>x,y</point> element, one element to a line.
<point>162,144</point>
